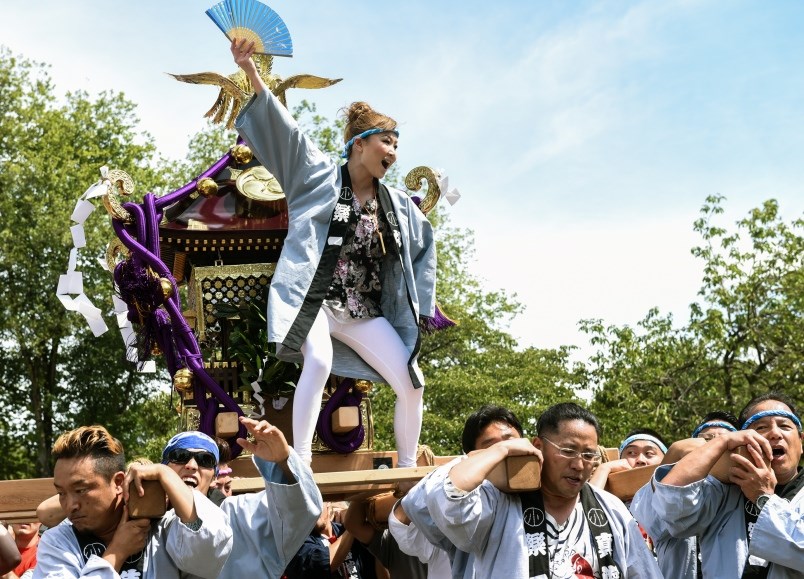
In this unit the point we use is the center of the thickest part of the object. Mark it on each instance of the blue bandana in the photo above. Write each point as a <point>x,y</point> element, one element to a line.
<point>711,424</point>
<point>765,413</point>
<point>646,437</point>
<point>348,147</point>
<point>191,439</point>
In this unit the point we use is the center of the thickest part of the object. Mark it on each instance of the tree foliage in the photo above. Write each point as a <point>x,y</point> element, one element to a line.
<point>744,335</point>
<point>54,373</point>
<point>203,149</point>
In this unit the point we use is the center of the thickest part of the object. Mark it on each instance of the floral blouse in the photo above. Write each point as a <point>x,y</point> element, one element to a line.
<point>356,284</point>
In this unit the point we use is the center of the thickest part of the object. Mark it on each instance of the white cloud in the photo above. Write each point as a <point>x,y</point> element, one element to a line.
<point>567,272</point>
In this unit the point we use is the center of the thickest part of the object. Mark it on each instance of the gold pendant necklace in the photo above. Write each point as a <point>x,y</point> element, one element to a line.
<point>377,224</point>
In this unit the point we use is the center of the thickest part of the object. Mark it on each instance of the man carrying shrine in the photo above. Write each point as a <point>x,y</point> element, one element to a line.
<point>565,529</point>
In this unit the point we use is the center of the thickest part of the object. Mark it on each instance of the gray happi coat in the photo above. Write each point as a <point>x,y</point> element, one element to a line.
<point>312,184</point>
<point>715,513</point>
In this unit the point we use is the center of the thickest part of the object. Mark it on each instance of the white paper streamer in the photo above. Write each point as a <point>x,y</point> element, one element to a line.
<point>130,336</point>
<point>79,238</point>
<point>451,195</point>
<point>255,386</point>
<point>72,282</point>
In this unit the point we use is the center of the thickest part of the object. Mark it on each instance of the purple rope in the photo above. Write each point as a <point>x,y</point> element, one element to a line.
<point>186,346</point>
<point>174,336</point>
<point>174,196</point>
<point>139,219</point>
<point>152,224</point>
<point>345,395</point>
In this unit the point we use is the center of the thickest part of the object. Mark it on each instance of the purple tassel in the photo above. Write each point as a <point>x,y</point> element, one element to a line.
<point>438,322</point>
<point>139,287</point>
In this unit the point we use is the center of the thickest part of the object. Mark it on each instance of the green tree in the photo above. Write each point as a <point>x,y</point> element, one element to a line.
<point>743,337</point>
<point>55,374</point>
<point>750,314</point>
<point>652,376</point>
<point>153,422</point>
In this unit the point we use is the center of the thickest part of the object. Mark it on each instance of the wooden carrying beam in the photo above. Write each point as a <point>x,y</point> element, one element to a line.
<point>626,483</point>
<point>19,498</point>
<point>347,483</point>
<point>517,474</point>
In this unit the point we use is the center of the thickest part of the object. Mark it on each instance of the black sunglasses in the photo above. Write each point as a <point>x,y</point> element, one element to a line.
<point>202,458</point>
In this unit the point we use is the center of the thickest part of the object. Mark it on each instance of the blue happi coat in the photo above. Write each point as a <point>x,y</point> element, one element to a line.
<point>312,183</point>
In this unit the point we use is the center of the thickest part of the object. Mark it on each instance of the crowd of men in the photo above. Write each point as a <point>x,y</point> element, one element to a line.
<point>726,503</point>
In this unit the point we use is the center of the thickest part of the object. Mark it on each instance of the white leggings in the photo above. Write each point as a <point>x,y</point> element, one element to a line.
<point>376,341</point>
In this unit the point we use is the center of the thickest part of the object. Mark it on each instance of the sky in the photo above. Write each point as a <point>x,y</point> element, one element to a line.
<point>583,136</point>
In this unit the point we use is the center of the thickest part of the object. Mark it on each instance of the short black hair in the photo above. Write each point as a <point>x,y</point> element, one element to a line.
<point>748,409</point>
<point>551,418</point>
<point>722,416</point>
<point>480,419</point>
<point>649,432</point>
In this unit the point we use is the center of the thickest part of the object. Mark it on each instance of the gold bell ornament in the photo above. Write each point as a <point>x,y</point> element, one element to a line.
<point>207,187</point>
<point>183,380</point>
<point>242,154</point>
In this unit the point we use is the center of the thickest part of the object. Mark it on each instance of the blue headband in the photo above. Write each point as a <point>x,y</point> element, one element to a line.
<point>765,413</point>
<point>363,135</point>
<point>192,439</point>
<point>705,425</point>
<point>647,437</point>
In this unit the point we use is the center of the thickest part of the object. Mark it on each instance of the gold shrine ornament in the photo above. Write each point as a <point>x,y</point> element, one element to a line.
<point>242,154</point>
<point>116,252</point>
<point>183,380</point>
<point>363,386</point>
<point>167,287</point>
<point>120,183</point>
<point>259,184</point>
<point>413,181</point>
<point>207,187</point>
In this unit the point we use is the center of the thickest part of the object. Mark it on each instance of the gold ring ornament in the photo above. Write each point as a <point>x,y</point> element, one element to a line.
<point>116,252</point>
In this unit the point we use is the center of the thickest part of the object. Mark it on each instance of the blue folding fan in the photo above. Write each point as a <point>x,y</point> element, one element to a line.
<point>255,22</point>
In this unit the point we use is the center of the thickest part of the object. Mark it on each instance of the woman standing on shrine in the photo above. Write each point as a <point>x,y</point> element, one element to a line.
<point>357,270</point>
